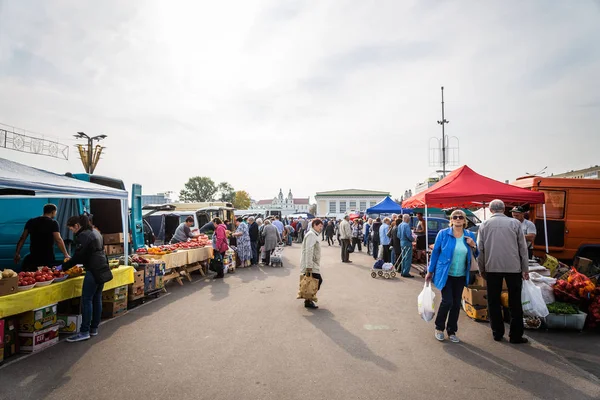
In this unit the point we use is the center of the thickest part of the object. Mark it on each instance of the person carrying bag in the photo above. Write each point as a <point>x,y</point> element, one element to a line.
<point>310,260</point>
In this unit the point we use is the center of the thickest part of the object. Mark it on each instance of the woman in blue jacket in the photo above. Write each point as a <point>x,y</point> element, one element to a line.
<point>449,269</point>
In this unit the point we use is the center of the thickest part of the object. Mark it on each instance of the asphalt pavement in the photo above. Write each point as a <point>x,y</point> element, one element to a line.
<point>248,337</point>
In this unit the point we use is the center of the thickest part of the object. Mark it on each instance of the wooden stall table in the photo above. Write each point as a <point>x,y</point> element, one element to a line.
<point>197,260</point>
<point>174,263</point>
<point>28,300</point>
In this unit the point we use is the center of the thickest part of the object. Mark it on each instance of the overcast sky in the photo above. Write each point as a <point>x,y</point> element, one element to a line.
<point>307,95</point>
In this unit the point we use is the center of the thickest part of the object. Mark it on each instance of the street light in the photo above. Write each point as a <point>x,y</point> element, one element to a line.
<point>90,154</point>
<point>540,172</point>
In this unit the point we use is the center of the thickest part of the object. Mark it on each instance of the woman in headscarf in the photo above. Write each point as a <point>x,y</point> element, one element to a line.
<point>244,250</point>
<point>272,237</point>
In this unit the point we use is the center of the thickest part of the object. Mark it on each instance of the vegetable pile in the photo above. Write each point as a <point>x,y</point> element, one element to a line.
<point>562,308</point>
<point>575,289</point>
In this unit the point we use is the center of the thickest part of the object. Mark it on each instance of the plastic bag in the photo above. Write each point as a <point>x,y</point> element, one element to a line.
<point>425,303</point>
<point>387,266</point>
<point>532,300</point>
<point>537,278</point>
<point>547,292</point>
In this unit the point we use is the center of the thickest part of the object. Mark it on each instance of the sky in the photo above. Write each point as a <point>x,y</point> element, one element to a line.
<point>303,95</point>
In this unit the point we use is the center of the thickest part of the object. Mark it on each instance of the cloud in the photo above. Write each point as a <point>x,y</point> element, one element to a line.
<point>311,96</point>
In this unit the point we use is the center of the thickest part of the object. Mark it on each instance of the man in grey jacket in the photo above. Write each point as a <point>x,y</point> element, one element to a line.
<point>503,256</point>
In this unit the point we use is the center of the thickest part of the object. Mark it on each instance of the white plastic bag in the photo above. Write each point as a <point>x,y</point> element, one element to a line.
<point>532,300</point>
<point>537,278</point>
<point>387,266</point>
<point>425,303</point>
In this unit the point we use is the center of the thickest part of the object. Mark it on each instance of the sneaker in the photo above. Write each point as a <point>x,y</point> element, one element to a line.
<point>453,339</point>
<point>94,332</point>
<point>439,335</point>
<point>310,304</point>
<point>78,338</point>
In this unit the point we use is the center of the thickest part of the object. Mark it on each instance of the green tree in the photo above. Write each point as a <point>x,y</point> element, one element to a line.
<point>241,200</point>
<point>226,192</point>
<point>198,189</point>
<point>313,209</point>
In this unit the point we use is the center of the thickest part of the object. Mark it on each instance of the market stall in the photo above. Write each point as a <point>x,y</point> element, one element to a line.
<point>465,188</point>
<point>56,292</point>
<point>35,298</point>
<point>386,206</point>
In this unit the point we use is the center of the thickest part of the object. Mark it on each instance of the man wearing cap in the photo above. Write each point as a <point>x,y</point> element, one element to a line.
<point>527,226</point>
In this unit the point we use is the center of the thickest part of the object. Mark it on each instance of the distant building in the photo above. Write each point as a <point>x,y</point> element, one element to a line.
<point>429,182</point>
<point>587,173</point>
<point>339,202</point>
<point>159,198</point>
<point>287,205</point>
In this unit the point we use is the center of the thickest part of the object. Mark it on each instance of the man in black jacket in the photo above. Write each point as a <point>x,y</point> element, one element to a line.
<point>253,231</point>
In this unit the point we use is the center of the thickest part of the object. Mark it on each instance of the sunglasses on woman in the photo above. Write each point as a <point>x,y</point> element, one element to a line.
<point>458,217</point>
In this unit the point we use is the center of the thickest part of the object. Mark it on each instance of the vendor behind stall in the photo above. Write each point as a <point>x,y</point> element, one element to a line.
<point>44,232</point>
<point>183,231</point>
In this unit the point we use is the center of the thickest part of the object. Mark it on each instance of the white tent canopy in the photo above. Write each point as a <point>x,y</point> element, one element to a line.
<point>21,181</point>
<point>39,183</point>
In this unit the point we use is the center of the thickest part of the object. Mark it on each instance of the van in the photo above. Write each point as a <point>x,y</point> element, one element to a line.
<point>573,217</point>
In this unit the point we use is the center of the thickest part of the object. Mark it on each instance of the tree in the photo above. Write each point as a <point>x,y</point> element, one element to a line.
<point>226,193</point>
<point>398,201</point>
<point>241,200</point>
<point>313,209</point>
<point>198,189</point>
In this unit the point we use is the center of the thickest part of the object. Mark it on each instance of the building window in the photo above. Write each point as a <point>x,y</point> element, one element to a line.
<point>342,206</point>
<point>363,206</point>
<point>332,207</point>
<point>353,205</point>
<point>373,203</point>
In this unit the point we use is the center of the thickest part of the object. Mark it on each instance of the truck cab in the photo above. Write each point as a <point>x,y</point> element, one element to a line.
<point>572,214</point>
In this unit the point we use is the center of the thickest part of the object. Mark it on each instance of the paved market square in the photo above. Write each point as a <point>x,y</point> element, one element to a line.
<point>248,337</point>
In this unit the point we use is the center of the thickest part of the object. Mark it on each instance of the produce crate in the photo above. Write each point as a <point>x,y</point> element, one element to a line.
<point>566,321</point>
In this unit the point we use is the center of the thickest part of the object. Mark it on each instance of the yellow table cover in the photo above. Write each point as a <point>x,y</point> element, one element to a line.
<point>21,302</point>
<point>201,254</point>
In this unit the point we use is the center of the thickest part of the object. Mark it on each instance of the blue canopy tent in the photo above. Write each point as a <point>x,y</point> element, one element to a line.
<point>387,206</point>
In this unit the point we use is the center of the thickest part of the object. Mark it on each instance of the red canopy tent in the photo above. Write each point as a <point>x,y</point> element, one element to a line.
<point>465,188</point>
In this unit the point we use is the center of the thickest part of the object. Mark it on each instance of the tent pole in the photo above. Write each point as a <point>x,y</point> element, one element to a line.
<point>125,219</point>
<point>484,216</point>
<point>545,228</point>
<point>426,239</point>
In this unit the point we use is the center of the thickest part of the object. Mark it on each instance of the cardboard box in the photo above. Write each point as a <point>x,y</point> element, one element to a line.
<point>149,284</point>
<point>478,313</point>
<point>114,238</point>
<point>11,331</point>
<point>159,282</point>
<point>38,319</point>
<point>135,292</point>
<point>69,323</point>
<point>159,268</point>
<point>35,341</point>
<point>115,295</point>
<point>114,249</point>
<point>110,310</point>
<point>150,270</point>
<point>138,278</point>
<point>475,295</point>
<point>9,285</point>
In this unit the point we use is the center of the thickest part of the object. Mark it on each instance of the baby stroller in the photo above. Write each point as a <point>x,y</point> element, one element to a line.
<point>277,256</point>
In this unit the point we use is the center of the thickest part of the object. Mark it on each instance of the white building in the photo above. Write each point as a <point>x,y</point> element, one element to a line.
<point>287,205</point>
<point>339,202</point>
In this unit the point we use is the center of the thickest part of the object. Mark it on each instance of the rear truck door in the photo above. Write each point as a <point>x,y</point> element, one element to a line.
<point>137,224</point>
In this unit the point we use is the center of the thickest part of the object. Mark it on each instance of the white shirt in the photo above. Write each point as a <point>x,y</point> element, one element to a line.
<point>528,228</point>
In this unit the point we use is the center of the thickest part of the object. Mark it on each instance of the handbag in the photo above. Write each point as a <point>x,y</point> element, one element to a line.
<point>474,265</point>
<point>351,248</point>
<point>308,287</point>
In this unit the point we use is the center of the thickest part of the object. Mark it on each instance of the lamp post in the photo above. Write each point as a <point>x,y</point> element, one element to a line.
<point>90,165</point>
